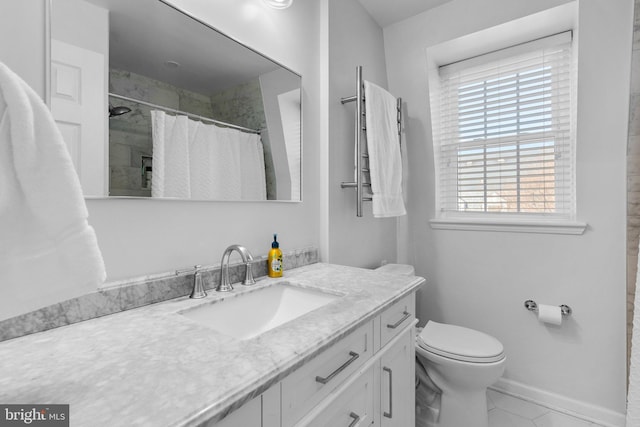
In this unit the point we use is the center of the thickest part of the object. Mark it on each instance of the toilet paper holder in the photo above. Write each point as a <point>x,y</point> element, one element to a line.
<point>532,306</point>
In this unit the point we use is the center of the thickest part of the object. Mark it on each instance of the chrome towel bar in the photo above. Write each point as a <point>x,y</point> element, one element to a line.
<point>360,154</point>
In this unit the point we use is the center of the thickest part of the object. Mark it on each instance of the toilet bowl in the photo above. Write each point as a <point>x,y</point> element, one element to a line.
<point>461,363</point>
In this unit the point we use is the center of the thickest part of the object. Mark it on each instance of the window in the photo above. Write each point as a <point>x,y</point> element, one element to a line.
<point>503,133</point>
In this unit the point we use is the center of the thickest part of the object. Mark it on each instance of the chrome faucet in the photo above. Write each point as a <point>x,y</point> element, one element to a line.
<point>224,285</point>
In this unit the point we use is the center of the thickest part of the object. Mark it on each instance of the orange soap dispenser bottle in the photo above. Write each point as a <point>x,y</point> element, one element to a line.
<point>274,260</point>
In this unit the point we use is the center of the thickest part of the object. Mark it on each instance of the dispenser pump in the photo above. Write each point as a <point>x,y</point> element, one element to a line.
<point>275,243</point>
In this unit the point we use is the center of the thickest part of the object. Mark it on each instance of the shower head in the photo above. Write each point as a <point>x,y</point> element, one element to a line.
<point>118,111</point>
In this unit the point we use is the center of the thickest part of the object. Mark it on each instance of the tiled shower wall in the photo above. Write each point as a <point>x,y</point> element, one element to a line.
<point>633,176</point>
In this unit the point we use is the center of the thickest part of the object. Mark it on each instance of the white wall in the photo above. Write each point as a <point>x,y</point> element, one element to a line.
<point>354,38</point>
<point>22,29</point>
<point>481,279</point>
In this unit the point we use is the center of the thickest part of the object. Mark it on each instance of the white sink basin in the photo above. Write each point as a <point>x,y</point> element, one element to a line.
<point>248,315</point>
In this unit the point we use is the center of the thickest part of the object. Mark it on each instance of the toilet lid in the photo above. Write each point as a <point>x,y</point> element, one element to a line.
<point>404,269</point>
<point>456,342</point>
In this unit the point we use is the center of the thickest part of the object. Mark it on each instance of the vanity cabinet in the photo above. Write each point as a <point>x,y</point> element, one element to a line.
<point>382,391</point>
<point>249,415</point>
<point>350,405</point>
<point>397,382</point>
<point>366,378</point>
<point>316,380</point>
<point>396,369</point>
<point>261,411</point>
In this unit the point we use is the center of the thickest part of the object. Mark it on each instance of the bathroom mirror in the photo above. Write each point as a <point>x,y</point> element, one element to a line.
<point>154,103</point>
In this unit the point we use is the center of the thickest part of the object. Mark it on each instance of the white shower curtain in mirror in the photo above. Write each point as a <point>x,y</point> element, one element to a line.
<point>193,160</point>
<point>170,172</point>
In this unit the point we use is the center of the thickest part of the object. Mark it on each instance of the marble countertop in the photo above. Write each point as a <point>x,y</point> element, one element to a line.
<point>153,366</point>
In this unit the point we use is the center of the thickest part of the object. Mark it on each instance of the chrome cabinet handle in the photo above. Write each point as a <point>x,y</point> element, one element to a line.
<point>390,413</point>
<point>405,316</point>
<point>325,380</point>
<point>355,417</point>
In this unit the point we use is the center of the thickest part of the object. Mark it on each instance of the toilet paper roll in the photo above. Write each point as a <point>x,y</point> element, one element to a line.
<point>551,314</point>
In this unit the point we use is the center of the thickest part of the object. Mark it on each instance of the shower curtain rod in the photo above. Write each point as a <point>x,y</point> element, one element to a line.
<point>171,110</point>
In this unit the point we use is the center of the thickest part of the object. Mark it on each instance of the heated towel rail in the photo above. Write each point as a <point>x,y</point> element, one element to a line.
<point>361,157</point>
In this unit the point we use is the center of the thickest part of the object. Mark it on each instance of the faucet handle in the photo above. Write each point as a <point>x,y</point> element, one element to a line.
<point>198,290</point>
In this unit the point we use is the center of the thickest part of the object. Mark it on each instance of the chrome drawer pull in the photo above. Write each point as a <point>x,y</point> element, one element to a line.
<point>399,322</point>
<point>390,413</point>
<point>355,417</point>
<point>325,380</point>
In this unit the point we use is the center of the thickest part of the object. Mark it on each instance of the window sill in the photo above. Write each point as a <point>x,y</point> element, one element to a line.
<point>529,226</point>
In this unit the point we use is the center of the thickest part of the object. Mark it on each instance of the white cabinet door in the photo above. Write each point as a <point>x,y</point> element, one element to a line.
<point>397,382</point>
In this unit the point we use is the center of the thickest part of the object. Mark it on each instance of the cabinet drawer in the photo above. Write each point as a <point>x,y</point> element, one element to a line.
<point>351,406</point>
<point>395,318</point>
<point>306,387</point>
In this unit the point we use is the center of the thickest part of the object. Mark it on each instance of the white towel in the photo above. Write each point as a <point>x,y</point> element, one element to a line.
<point>383,144</point>
<point>48,251</point>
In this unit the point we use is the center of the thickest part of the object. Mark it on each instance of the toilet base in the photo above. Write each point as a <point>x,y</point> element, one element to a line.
<point>464,408</point>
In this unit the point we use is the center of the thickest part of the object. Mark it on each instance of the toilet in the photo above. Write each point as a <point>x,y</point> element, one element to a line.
<point>461,362</point>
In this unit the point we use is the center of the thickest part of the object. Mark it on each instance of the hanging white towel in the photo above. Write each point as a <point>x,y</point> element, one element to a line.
<point>383,144</point>
<point>48,251</point>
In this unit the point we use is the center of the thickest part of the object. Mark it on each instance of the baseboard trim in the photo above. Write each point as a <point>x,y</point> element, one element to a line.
<point>559,403</point>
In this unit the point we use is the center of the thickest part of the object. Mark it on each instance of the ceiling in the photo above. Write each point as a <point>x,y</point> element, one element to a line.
<point>387,12</point>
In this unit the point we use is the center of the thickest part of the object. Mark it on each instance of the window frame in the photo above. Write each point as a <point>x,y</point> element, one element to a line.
<point>563,223</point>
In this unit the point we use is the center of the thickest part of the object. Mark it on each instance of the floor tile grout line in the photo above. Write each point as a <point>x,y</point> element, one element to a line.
<point>526,402</point>
<point>588,422</point>
<point>549,412</point>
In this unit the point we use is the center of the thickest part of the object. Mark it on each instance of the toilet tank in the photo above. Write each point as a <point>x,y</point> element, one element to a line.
<point>404,269</point>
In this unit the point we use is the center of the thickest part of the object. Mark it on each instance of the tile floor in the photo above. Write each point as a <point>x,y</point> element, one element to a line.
<point>508,411</point>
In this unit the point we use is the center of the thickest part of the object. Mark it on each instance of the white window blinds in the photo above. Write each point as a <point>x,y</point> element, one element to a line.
<point>503,133</point>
